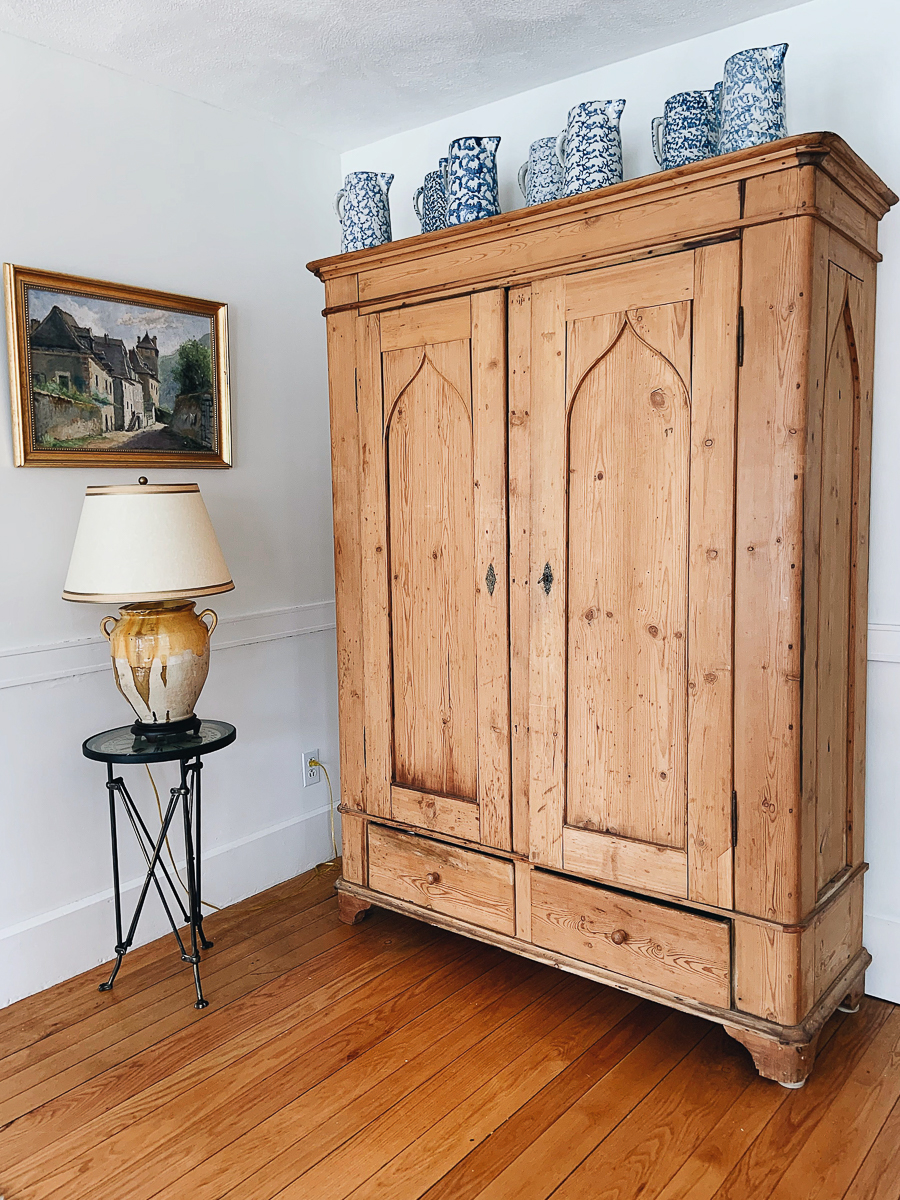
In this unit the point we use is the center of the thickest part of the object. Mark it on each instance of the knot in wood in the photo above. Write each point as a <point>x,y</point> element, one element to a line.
<point>589,615</point>
<point>653,630</point>
<point>658,398</point>
<point>619,937</point>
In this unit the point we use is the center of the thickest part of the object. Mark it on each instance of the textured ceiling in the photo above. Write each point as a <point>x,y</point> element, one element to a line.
<point>347,72</point>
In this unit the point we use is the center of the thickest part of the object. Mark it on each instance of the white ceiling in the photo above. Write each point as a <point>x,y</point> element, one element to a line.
<point>348,72</point>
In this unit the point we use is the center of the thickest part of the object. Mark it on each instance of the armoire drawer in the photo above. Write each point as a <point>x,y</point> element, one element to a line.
<point>682,952</point>
<point>447,879</point>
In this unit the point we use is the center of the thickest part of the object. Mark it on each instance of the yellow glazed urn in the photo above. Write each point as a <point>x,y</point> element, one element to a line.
<point>160,657</point>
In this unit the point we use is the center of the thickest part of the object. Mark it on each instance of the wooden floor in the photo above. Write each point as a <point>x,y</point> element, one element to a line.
<point>394,1060</point>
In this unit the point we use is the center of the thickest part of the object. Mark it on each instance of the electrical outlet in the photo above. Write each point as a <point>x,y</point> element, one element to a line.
<point>312,774</point>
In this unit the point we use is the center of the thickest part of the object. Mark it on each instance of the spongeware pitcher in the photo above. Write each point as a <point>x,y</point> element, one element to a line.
<point>541,178</point>
<point>430,201</point>
<point>689,130</point>
<point>363,210</point>
<point>753,109</point>
<point>590,146</point>
<point>472,188</point>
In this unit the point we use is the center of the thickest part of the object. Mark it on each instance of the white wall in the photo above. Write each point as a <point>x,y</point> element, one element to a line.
<point>108,177</point>
<point>841,75</point>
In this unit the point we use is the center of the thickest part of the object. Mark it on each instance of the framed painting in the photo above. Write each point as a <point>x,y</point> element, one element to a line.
<point>102,374</point>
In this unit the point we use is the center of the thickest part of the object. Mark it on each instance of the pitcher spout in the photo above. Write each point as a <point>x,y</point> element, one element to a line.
<point>385,181</point>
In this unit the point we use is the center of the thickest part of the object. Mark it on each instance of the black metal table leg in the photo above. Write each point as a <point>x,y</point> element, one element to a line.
<point>123,746</point>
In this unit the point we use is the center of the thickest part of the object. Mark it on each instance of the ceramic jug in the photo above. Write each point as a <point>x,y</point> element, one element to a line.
<point>688,131</point>
<point>590,146</point>
<point>471,173</point>
<point>363,210</point>
<point>541,178</point>
<point>717,94</point>
<point>753,109</point>
<point>430,201</point>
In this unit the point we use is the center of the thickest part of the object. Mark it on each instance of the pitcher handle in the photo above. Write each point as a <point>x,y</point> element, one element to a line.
<point>523,176</point>
<point>107,633</point>
<point>657,128</point>
<point>561,148</point>
<point>338,197</point>
<point>416,198</point>
<point>208,612</point>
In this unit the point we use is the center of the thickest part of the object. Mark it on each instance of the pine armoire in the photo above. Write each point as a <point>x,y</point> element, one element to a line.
<point>601,487</point>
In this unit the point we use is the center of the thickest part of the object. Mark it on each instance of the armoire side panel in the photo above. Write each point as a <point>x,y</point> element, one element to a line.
<point>347,561</point>
<point>839,482</point>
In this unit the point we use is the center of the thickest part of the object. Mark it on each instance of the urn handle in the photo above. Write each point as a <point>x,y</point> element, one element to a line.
<point>416,199</point>
<point>338,197</point>
<point>208,612</point>
<point>561,149</point>
<point>523,179</point>
<point>107,633</point>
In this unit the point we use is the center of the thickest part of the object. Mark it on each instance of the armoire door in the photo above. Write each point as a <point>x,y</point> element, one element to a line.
<point>630,712</point>
<point>431,394</point>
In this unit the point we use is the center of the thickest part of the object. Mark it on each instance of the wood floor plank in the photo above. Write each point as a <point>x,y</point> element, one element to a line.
<point>34,1018</point>
<point>320,980</point>
<point>449,1140</point>
<point>481,1165</point>
<point>244,1073</point>
<point>642,1153</point>
<point>108,1104</point>
<point>71,1042</point>
<point>279,1149</point>
<point>395,1061</point>
<point>552,1157</point>
<point>147,1027</point>
<point>701,1175</point>
<point>879,1176</point>
<point>757,1173</point>
<point>824,1168</point>
<point>364,1155</point>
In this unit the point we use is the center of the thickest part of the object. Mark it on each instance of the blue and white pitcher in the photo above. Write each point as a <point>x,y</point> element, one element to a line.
<point>430,200</point>
<point>753,110</point>
<point>689,130</point>
<point>590,146</point>
<point>472,188</point>
<point>541,178</point>
<point>363,210</point>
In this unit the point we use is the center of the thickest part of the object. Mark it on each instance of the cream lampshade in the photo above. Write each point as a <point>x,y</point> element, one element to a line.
<point>148,547</point>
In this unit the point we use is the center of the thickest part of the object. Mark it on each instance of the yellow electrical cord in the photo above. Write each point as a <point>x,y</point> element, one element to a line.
<point>314,762</point>
<point>205,903</point>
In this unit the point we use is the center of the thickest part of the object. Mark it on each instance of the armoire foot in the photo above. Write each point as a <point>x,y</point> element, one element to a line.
<point>787,1064</point>
<point>352,910</point>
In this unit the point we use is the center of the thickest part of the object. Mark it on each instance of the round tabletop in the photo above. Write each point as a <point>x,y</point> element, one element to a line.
<point>121,746</point>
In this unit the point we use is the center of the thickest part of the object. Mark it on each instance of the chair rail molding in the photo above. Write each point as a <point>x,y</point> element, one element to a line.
<point>24,665</point>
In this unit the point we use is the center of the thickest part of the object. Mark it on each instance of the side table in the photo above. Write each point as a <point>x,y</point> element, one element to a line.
<point>122,746</point>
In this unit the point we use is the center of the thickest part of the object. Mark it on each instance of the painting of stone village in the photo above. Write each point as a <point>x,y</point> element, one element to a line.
<point>113,377</point>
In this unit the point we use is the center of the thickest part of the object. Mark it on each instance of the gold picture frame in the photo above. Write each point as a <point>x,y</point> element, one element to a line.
<point>83,398</point>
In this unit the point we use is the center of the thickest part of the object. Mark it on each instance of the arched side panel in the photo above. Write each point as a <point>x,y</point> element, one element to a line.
<point>629,453</point>
<point>839,483</point>
<point>430,503</point>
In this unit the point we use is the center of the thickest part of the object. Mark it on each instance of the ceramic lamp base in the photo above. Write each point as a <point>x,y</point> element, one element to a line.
<point>160,660</point>
<point>155,732</point>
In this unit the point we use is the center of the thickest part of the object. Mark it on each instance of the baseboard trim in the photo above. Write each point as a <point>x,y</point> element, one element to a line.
<point>56,945</point>
<point>882,938</point>
<point>26,665</point>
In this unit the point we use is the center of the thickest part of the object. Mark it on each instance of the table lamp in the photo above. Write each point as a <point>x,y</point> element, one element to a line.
<point>147,547</point>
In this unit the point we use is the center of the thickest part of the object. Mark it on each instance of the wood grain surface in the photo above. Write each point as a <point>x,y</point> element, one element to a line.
<point>409,1062</point>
